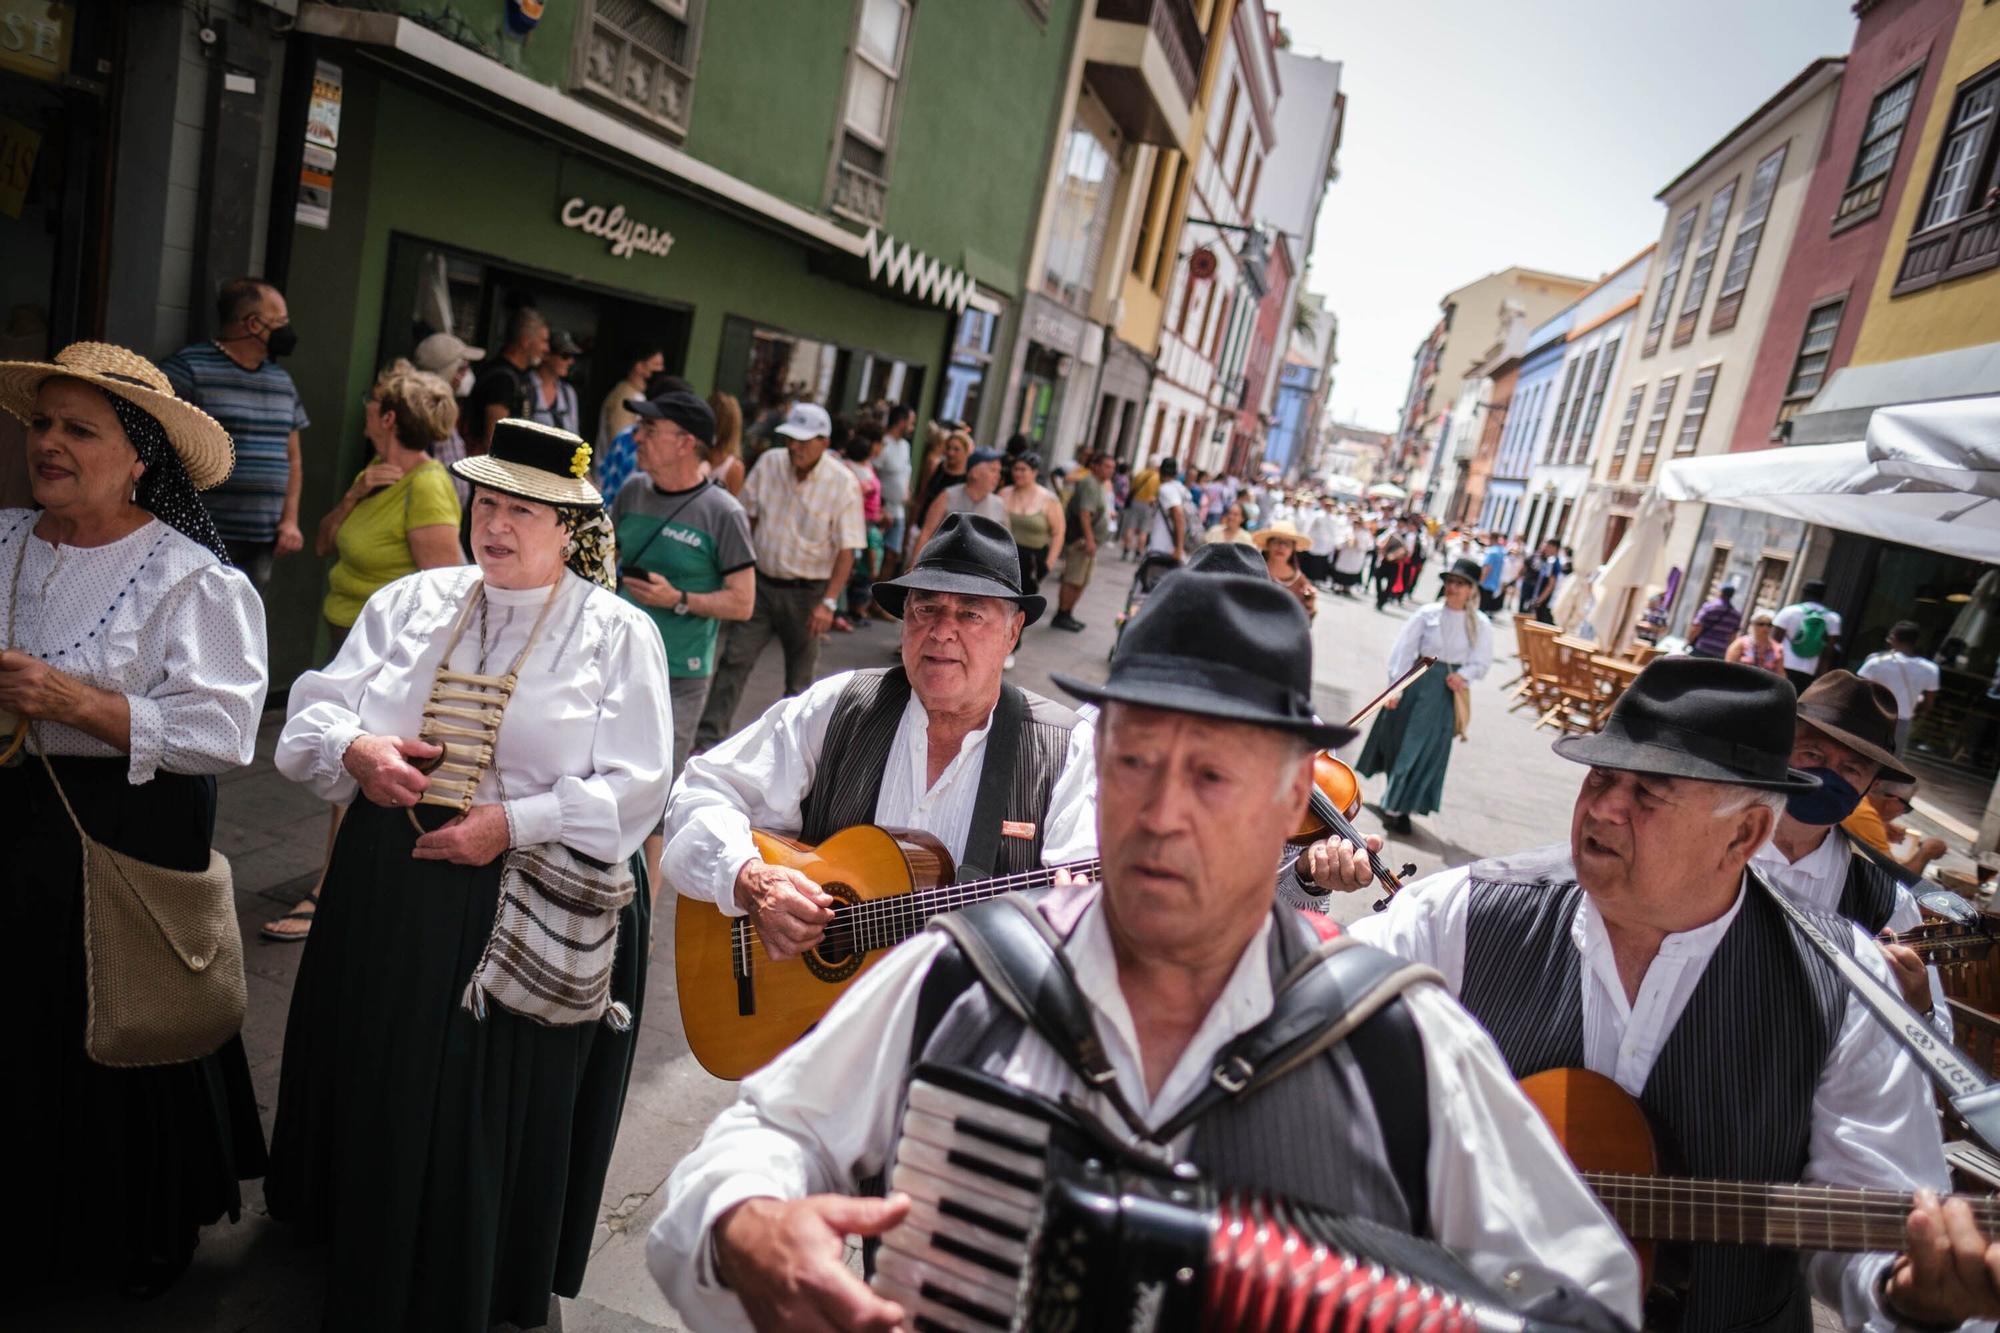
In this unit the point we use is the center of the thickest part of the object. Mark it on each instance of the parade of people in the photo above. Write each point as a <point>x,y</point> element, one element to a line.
<point>572,765</point>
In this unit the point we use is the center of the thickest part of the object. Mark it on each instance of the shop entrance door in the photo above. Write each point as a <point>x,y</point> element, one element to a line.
<point>436,288</point>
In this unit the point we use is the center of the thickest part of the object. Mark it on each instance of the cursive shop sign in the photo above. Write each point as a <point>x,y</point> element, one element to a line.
<point>624,234</point>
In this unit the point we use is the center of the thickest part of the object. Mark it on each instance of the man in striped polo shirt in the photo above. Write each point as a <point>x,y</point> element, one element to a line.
<point>236,380</point>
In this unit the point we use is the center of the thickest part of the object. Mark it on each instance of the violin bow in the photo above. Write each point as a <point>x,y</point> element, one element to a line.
<point>1421,664</point>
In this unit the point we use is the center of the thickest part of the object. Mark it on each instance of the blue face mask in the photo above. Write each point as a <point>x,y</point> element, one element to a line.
<point>1832,801</point>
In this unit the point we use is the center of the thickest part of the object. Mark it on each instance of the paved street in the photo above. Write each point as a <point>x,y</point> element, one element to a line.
<point>1505,791</point>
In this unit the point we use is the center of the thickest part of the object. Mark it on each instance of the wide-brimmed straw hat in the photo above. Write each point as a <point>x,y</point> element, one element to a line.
<point>1282,530</point>
<point>971,556</point>
<point>205,449</point>
<point>1229,646</point>
<point>1858,713</point>
<point>1695,717</point>
<point>533,462</point>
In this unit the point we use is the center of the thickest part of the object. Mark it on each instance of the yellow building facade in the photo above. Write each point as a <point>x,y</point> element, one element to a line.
<point>1157,244</point>
<point>1939,285</point>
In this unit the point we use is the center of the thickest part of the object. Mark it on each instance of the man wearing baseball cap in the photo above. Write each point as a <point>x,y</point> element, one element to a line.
<point>685,554</point>
<point>805,514</point>
<point>450,358</point>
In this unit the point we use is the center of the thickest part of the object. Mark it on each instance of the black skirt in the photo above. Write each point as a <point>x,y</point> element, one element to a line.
<point>454,1167</point>
<point>106,1174</point>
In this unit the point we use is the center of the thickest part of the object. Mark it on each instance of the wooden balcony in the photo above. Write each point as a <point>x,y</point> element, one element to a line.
<point>1966,245</point>
<point>1141,57</point>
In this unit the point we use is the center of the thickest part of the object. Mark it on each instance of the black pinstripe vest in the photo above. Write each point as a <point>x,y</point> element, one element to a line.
<point>1868,898</point>
<point>848,781</point>
<point>1730,1094</point>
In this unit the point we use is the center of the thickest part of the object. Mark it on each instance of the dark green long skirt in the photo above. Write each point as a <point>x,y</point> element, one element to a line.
<point>455,1167</point>
<point>1412,744</point>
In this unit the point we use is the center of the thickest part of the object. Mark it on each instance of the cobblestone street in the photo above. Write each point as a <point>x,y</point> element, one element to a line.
<point>1506,791</point>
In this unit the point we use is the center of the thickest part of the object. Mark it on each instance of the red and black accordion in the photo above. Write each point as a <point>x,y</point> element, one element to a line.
<point>1024,1218</point>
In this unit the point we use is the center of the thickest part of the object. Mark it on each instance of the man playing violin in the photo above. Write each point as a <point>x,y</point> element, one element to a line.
<point>1204,767</point>
<point>1649,950</point>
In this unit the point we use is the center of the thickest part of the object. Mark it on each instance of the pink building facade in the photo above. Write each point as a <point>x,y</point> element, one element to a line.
<point>1850,207</point>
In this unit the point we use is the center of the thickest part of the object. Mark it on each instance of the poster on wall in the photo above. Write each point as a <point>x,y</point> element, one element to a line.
<point>19,146</point>
<point>315,200</point>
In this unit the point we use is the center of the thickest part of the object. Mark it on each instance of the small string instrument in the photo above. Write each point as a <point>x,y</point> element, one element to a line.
<point>1336,797</point>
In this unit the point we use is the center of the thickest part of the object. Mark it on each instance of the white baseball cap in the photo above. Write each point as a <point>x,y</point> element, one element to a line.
<point>442,351</point>
<point>808,421</point>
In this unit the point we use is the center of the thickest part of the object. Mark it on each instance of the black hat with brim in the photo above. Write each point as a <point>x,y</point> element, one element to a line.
<point>1234,647</point>
<point>970,556</point>
<point>1699,718</point>
<point>1466,568</point>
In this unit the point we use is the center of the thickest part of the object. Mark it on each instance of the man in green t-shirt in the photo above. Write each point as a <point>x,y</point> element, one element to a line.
<point>684,553</point>
<point>1089,516</point>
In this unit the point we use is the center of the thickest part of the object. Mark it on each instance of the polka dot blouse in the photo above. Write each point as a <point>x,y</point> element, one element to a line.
<point>152,616</point>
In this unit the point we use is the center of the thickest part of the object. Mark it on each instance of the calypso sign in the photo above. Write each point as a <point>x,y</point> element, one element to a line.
<point>626,235</point>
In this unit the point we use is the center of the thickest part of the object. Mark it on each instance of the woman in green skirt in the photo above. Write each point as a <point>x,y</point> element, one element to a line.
<point>1411,739</point>
<point>463,1023</point>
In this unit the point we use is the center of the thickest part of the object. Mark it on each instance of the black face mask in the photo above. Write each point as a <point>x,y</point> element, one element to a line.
<point>281,341</point>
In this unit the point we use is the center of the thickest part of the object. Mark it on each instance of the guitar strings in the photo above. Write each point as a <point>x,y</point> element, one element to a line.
<point>1836,1217</point>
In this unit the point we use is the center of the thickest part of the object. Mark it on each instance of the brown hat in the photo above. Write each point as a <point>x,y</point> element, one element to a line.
<point>1860,714</point>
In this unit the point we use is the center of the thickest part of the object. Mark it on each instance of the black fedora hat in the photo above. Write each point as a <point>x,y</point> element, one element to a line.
<point>1464,568</point>
<point>1860,714</point>
<point>1228,558</point>
<point>1695,717</point>
<point>1231,646</point>
<point>968,555</point>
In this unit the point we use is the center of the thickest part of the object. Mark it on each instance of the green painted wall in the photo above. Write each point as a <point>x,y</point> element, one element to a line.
<point>982,86</point>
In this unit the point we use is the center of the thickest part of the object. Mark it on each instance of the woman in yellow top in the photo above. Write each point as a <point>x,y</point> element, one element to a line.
<point>400,515</point>
<point>1035,513</point>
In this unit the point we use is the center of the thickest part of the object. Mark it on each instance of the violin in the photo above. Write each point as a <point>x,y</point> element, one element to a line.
<point>1336,800</point>
<point>1336,797</point>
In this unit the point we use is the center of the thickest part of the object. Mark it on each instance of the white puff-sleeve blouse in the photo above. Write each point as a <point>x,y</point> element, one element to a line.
<point>584,748</point>
<point>153,616</point>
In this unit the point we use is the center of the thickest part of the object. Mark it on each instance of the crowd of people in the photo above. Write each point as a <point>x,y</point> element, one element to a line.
<point>527,726</point>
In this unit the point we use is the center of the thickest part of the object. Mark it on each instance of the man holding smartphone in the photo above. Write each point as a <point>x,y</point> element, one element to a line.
<point>684,554</point>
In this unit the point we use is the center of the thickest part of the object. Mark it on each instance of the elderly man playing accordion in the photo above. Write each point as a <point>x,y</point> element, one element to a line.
<point>1202,764</point>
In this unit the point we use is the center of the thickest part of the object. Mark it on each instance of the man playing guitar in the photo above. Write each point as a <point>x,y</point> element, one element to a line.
<point>1649,951</point>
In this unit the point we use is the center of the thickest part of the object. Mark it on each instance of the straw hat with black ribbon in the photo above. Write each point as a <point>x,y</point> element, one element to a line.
<point>533,462</point>
<point>1283,531</point>
<point>197,438</point>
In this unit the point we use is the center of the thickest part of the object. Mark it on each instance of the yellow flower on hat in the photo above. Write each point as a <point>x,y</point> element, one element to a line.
<point>579,462</point>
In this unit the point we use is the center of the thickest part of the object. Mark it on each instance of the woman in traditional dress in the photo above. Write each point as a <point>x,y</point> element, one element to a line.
<point>451,1149</point>
<point>1411,739</point>
<point>1281,544</point>
<point>137,656</point>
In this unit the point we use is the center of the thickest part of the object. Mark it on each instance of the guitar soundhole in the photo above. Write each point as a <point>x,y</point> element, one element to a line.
<point>837,958</point>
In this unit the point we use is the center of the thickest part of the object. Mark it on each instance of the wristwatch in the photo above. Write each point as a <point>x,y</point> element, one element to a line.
<point>681,607</point>
<point>830,603</point>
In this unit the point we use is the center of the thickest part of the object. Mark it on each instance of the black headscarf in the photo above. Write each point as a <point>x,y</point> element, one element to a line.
<point>164,490</point>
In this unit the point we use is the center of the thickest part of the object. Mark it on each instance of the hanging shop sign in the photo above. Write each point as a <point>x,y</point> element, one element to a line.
<point>34,39</point>
<point>625,235</point>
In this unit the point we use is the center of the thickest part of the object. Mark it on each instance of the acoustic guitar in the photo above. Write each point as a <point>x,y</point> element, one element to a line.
<point>740,1008</point>
<point>1608,1139</point>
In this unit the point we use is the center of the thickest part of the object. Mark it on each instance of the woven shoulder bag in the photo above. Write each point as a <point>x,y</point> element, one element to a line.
<point>163,957</point>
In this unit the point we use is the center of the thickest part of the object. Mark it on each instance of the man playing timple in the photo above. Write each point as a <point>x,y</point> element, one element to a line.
<point>1204,766</point>
<point>684,554</point>
<point>901,747</point>
<point>1845,738</point>
<point>1648,950</point>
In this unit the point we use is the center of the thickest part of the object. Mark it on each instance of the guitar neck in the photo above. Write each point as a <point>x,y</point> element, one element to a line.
<point>1791,1217</point>
<point>883,923</point>
<point>1970,945</point>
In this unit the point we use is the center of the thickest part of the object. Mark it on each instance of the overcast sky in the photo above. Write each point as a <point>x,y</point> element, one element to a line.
<point>1534,132</point>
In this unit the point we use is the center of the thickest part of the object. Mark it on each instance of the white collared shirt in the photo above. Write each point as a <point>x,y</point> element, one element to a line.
<point>1874,1124</point>
<point>1463,638</point>
<point>1818,878</point>
<point>823,1115</point>
<point>759,778</point>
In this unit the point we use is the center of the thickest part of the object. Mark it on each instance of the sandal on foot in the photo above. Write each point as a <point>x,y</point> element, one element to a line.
<point>302,912</point>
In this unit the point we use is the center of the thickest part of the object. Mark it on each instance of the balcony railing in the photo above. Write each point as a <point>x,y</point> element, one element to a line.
<point>1173,25</point>
<point>1968,244</point>
<point>859,194</point>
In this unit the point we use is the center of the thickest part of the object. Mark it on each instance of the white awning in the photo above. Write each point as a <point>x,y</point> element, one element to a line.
<point>1837,486</point>
<point>1954,444</point>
